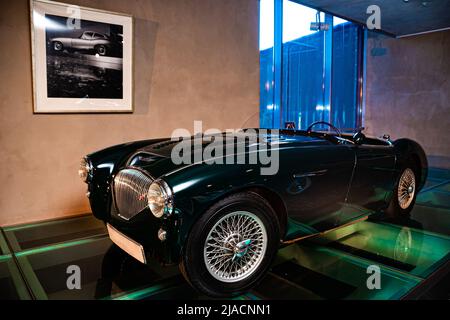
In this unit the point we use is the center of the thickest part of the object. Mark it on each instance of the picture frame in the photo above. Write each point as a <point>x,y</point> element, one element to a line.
<point>82,59</point>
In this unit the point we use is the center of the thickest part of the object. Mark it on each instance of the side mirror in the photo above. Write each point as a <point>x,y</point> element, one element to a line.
<point>359,138</point>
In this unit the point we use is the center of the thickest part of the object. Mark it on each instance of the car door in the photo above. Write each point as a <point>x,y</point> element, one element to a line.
<point>319,183</point>
<point>83,42</point>
<point>373,177</point>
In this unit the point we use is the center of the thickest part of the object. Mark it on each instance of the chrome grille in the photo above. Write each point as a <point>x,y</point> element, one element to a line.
<point>130,192</point>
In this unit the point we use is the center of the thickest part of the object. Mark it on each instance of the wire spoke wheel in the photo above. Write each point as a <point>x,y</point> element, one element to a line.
<point>235,246</point>
<point>406,188</point>
<point>403,245</point>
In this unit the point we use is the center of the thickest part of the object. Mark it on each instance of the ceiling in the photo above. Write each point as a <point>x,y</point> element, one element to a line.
<point>398,17</point>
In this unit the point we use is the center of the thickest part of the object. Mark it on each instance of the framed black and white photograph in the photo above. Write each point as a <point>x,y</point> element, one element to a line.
<point>82,59</point>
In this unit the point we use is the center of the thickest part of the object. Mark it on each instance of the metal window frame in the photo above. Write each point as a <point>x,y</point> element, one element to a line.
<point>327,82</point>
<point>278,64</point>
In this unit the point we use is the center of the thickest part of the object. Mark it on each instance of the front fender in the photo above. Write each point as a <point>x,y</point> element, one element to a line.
<point>65,41</point>
<point>198,187</point>
<point>105,163</point>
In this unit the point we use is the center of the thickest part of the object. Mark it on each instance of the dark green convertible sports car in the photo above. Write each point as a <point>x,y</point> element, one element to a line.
<point>223,222</point>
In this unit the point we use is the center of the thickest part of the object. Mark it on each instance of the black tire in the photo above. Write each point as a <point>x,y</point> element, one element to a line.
<point>57,46</point>
<point>101,49</point>
<point>193,265</point>
<point>395,210</point>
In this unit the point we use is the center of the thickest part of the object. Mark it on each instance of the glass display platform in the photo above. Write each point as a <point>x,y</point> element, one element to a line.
<point>413,256</point>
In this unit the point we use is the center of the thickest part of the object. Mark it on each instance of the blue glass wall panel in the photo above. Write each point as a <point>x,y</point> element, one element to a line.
<point>306,63</point>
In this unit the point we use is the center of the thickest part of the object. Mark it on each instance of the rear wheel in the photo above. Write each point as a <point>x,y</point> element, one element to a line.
<point>231,247</point>
<point>101,49</point>
<point>404,193</point>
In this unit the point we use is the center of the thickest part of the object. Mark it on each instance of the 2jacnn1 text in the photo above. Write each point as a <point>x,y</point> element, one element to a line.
<point>224,310</point>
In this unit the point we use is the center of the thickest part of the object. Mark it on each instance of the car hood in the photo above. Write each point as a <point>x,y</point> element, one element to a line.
<point>158,158</point>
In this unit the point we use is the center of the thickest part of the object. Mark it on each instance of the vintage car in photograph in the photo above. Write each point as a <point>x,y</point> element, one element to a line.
<point>223,223</point>
<point>101,43</point>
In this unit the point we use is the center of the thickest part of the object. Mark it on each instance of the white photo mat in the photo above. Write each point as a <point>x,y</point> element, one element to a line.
<point>79,104</point>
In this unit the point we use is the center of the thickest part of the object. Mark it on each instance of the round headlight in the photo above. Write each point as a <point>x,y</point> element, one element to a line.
<point>159,199</point>
<point>85,169</point>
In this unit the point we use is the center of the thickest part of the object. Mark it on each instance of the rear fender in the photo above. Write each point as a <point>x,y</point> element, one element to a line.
<point>407,150</point>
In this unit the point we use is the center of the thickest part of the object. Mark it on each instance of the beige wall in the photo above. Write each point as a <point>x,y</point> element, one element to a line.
<point>194,59</point>
<point>408,91</point>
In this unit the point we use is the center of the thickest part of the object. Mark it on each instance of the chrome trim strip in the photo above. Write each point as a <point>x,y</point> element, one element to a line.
<point>311,174</point>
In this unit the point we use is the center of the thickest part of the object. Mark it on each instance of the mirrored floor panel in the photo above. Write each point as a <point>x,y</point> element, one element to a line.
<point>75,259</point>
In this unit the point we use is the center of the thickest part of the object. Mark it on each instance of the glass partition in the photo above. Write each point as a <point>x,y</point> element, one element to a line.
<point>267,81</point>
<point>320,67</point>
<point>346,39</point>
<point>303,100</point>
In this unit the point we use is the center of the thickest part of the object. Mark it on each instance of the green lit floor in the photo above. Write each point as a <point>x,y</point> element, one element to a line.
<point>413,256</point>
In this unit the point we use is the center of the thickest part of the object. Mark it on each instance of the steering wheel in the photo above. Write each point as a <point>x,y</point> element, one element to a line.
<point>309,130</point>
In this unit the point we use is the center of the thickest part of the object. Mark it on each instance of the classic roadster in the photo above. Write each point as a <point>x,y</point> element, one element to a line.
<point>223,223</point>
<point>88,40</point>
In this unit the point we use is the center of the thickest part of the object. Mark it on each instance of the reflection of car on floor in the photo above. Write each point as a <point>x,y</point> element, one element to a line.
<point>69,76</point>
<point>88,40</point>
<point>224,223</point>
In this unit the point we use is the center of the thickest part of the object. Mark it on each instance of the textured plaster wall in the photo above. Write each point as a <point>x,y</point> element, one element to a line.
<point>408,91</point>
<point>194,60</point>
